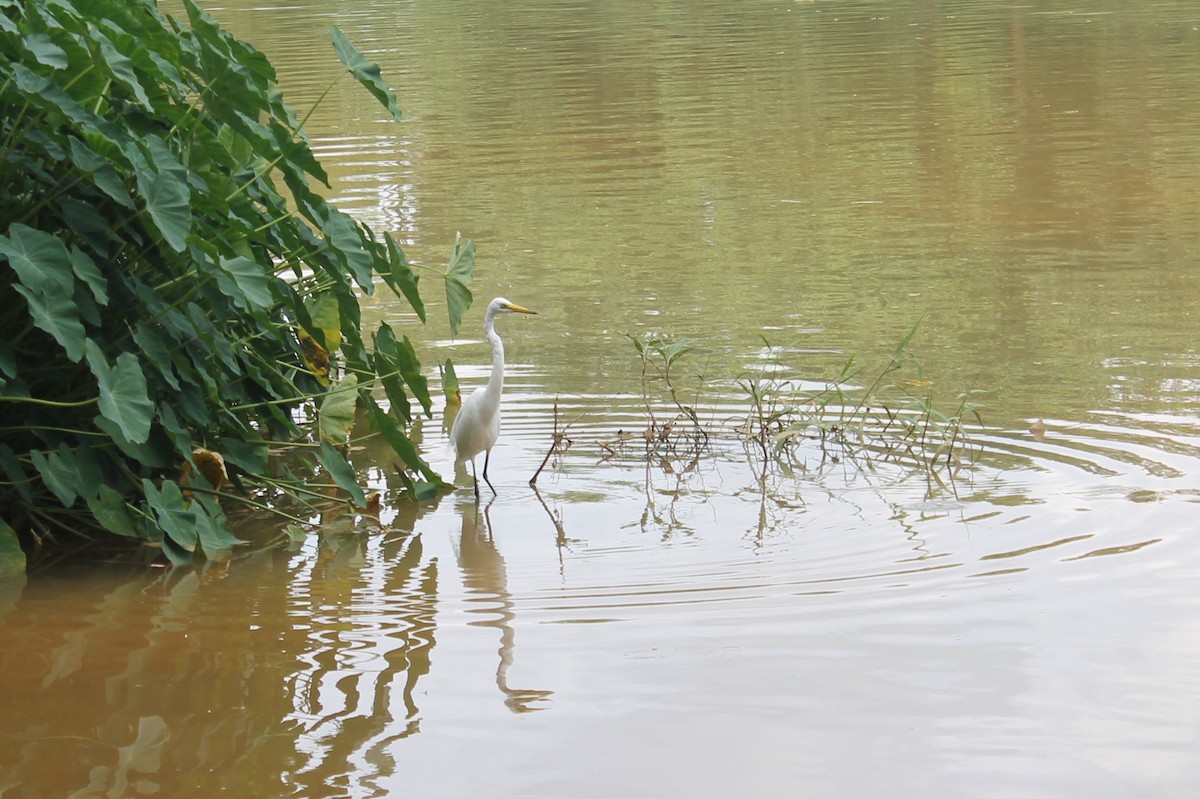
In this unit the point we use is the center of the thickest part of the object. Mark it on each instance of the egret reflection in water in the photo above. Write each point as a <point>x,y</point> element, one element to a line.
<point>486,582</point>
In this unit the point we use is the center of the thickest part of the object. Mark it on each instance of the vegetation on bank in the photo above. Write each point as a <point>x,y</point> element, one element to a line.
<point>177,302</point>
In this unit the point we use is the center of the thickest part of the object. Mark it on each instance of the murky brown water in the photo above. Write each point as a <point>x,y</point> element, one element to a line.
<point>824,175</point>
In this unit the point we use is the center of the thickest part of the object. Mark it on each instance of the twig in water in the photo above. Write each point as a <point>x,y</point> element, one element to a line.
<point>558,444</point>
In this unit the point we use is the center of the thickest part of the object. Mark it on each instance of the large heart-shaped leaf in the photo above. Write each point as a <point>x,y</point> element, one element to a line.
<point>364,71</point>
<point>111,510</point>
<point>122,69</point>
<point>401,276</point>
<point>124,399</point>
<point>251,284</point>
<point>167,202</point>
<point>56,313</point>
<point>458,275</point>
<point>46,51</point>
<point>177,522</point>
<point>59,473</point>
<point>212,527</point>
<point>336,414</point>
<point>38,258</point>
<point>341,472</point>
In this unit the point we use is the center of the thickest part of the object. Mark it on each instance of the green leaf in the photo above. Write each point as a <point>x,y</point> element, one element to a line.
<point>178,433</point>
<point>450,382</point>
<point>45,51</point>
<point>458,275</point>
<point>121,68</point>
<point>102,171</point>
<point>365,72</point>
<point>176,553</point>
<point>87,271</point>
<point>124,399</point>
<point>89,469</point>
<point>253,283</point>
<point>166,198</point>
<point>248,455</point>
<point>401,276</point>
<point>341,472</point>
<point>400,443</point>
<point>151,341</point>
<point>47,282</point>
<point>150,454</point>
<point>176,521</point>
<point>344,237</point>
<point>213,527</point>
<point>637,344</point>
<point>111,510</point>
<point>387,369</point>
<point>47,94</point>
<point>38,258</point>
<point>56,313</point>
<point>59,472</point>
<point>336,414</point>
<point>670,350</point>
<point>401,357</point>
<point>12,559</point>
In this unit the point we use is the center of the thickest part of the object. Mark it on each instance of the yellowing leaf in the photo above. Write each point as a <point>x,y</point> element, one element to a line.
<point>326,316</point>
<point>315,357</point>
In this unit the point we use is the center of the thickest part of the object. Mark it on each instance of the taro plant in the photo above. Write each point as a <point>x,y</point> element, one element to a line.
<point>173,290</point>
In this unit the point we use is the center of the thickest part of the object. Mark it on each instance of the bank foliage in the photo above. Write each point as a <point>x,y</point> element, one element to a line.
<point>177,300</point>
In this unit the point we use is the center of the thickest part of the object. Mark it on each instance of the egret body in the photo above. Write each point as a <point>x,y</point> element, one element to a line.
<point>477,425</point>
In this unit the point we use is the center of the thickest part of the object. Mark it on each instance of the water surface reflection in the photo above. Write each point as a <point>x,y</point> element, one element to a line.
<point>866,622</point>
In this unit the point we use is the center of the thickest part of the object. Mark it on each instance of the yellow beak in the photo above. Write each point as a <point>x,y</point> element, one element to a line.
<point>519,309</point>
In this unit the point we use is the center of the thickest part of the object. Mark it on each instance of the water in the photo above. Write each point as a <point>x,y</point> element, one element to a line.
<point>824,175</point>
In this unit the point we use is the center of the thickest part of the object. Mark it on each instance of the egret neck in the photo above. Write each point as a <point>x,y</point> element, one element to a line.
<point>495,383</point>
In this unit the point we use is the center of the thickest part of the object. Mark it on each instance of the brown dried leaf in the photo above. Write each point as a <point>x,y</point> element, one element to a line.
<point>315,356</point>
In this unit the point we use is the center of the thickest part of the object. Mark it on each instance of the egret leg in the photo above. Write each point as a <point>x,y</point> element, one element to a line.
<point>475,477</point>
<point>486,456</point>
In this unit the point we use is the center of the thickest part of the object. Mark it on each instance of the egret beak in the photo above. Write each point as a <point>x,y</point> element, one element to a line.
<point>519,309</point>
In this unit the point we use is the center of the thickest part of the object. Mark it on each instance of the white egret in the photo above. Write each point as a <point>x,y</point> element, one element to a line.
<point>477,425</point>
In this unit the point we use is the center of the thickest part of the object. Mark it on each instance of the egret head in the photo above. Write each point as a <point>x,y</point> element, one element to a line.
<point>501,305</point>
